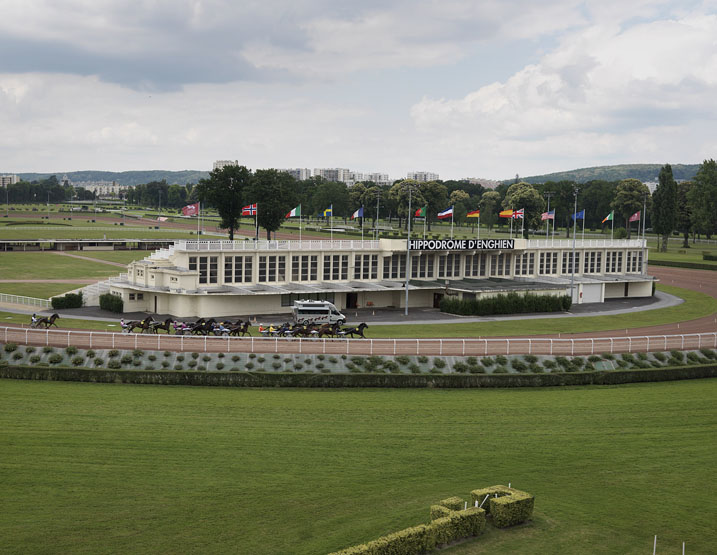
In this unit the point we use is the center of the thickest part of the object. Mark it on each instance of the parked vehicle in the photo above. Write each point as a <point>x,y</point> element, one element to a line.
<point>317,312</point>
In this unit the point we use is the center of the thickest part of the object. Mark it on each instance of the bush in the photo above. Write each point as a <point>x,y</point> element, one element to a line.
<point>152,358</point>
<point>535,368</point>
<point>192,363</point>
<point>320,357</point>
<point>235,358</point>
<point>693,358</point>
<point>403,360</point>
<point>414,368</point>
<point>439,362</point>
<point>500,359</point>
<point>137,362</point>
<point>10,347</point>
<point>220,355</point>
<point>98,362</point>
<point>252,355</point>
<point>549,364</point>
<point>55,358</point>
<point>126,359</point>
<point>165,364</point>
<point>137,353</point>
<point>298,366</point>
<point>511,507</point>
<point>319,365</point>
<point>530,359</point>
<point>500,370</point>
<point>642,356</point>
<point>201,368</point>
<point>392,366</point>
<point>276,365</point>
<point>519,365</point>
<point>78,361</point>
<point>677,355</point>
<point>31,349</point>
<point>178,367</point>
<point>709,354</point>
<point>195,356</point>
<point>608,356</point>
<point>277,357</point>
<point>71,350</point>
<point>113,353</point>
<point>476,369</point>
<point>460,367</point>
<point>48,349</point>
<point>112,303</point>
<point>180,358</point>
<point>114,364</point>
<point>70,300</point>
<point>206,358</point>
<point>167,353</point>
<point>488,361</point>
<point>90,354</point>
<point>260,360</point>
<point>423,359</point>
<point>287,360</point>
<point>17,355</point>
<point>35,359</point>
<point>594,358</point>
<point>627,357</point>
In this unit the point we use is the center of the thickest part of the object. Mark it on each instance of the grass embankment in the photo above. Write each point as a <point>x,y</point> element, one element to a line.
<point>696,305</point>
<point>41,265</point>
<point>112,468</point>
<point>37,290</point>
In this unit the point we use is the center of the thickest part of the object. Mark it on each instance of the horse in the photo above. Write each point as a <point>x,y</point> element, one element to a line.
<point>47,322</point>
<point>203,327</point>
<point>354,331</point>
<point>156,326</point>
<point>304,331</point>
<point>240,328</point>
<point>331,330</point>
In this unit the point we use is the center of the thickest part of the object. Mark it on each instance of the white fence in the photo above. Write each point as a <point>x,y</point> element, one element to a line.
<point>434,347</point>
<point>19,299</point>
<point>274,245</point>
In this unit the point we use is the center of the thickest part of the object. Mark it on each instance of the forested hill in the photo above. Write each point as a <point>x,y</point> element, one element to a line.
<point>643,172</point>
<point>124,178</point>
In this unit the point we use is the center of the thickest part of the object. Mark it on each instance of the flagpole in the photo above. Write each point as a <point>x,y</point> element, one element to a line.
<point>583,226</point>
<point>478,226</point>
<point>522,225</point>
<point>199,211</point>
<point>612,227</point>
<point>362,223</point>
<point>331,215</point>
<point>451,222</point>
<point>256,222</point>
<point>299,223</point>
<point>512,217</point>
<point>425,217</point>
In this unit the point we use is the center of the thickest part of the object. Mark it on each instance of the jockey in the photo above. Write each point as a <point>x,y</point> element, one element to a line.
<point>33,323</point>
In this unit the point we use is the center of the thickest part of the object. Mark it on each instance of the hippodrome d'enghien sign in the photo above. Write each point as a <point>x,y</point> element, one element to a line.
<point>460,244</point>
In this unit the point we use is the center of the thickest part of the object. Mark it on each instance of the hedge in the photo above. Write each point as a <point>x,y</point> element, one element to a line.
<point>507,506</point>
<point>113,303</point>
<point>680,264</point>
<point>260,379</point>
<point>70,300</point>
<point>453,503</point>
<point>512,303</point>
<point>708,256</point>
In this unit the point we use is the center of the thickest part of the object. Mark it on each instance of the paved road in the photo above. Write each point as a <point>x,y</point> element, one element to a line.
<point>662,337</point>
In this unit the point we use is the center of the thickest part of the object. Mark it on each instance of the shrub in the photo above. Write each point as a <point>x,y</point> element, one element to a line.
<point>344,357</point>
<point>98,362</point>
<point>90,354</point>
<point>206,358</point>
<point>403,360</point>
<point>519,365</point>
<point>309,361</point>
<point>594,358</point>
<point>358,361</point>
<point>392,366</point>
<point>178,367</point>
<point>114,364</point>
<point>439,362</point>
<point>277,357</point>
<point>252,355</point>
<point>460,367</point>
<point>10,347</point>
<point>195,356</point>
<point>672,361</point>
<point>70,300</point>
<point>439,511</point>
<point>656,364</point>
<point>201,368</point>
<point>287,360</point>
<point>642,356</point>
<point>35,359</point>
<point>693,358</point>
<point>709,354</point>
<point>137,353</point>
<point>627,357</point>
<point>500,370</point>
<point>500,359</point>
<point>563,362</point>
<point>414,368</point>
<point>276,365</point>
<point>622,363</point>
<point>298,366</point>
<point>260,360</point>
<point>476,369</point>
<point>333,360</point>
<point>126,359</point>
<point>78,360</point>
<point>192,363</point>
<point>319,365</point>
<point>423,359</point>
<point>535,368</point>
<point>167,353</point>
<point>354,369</point>
<point>511,507</point>
<point>31,349</point>
<point>112,303</point>
<point>17,355</point>
<point>180,358</point>
<point>137,362</point>
<point>511,303</point>
<point>249,365</point>
<point>113,353</point>
<point>235,358</point>
<point>530,359</point>
<point>323,371</point>
<point>165,364</point>
<point>220,355</point>
<point>608,356</point>
<point>549,363</point>
<point>48,349</point>
<point>152,357</point>
<point>677,355</point>
<point>71,350</point>
<point>234,369</point>
<point>320,357</point>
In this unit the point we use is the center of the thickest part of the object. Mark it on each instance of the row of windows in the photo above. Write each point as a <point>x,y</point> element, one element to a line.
<point>272,268</point>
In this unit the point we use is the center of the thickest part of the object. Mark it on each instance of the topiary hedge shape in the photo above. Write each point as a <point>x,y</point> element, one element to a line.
<point>508,506</point>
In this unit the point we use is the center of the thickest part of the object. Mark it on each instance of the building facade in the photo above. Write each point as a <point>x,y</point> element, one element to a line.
<point>6,180</point>
<point>422,177</point>
<point>228,278</point>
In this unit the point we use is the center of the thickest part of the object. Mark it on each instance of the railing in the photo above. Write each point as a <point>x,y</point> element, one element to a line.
<point>433,347</point>
<point>274,245</point>
<point>19,299</point>
<point>586,244</point>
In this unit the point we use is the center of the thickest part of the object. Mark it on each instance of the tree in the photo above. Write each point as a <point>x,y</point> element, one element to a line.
<point>488,203</point>
<point>664,213</point>
<point>459,199</point>
<point>630,197</point>
<point>684,216</point>
<point>331,193</point>
<point>435,197</point>
<point>399,193</point>
<point>524,195</point>
<point>702,198</point>
<point>224,190</point>
<point>273,191</point>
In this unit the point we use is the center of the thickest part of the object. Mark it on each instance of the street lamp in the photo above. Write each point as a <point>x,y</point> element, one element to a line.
<point>575,223</point>
<point>408,248</point>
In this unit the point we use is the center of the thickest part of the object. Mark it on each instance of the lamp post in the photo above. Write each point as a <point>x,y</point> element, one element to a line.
<point>7,201</point>
<point>408,249</point>
<point>575,223</point>
<point>547,222</point>
<point>378,201</point>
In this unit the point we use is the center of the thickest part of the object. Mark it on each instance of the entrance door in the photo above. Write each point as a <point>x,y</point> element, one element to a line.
<point>155,304</point>
<point>437,300</point>
<point>351,300</point>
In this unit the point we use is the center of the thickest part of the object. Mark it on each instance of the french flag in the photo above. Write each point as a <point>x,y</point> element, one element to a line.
<point>448,213</point>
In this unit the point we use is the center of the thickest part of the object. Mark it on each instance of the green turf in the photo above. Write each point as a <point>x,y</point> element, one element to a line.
<point>121,257</point>
<point>145,469</point>
<point>37,290</point>
<point>43,265</point>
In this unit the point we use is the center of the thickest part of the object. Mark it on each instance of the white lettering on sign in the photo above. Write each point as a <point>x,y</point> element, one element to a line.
<point>460,244</point>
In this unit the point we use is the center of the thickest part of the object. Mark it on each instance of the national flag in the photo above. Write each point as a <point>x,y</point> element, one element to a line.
<point>635,217</point>
<point>191,209</point>
<point>329,211</point>
<point>249,210</point>
<point>473,214</point>
<point>295,212</point>
<point>519,214</point>
<point>357,214</point>
<point>162,219</point>
<point>609,217</point>
<point>421,212</point>
<point>547,216</point>
<point>447,213</point>
<point>578,215</point>
<point>506,214</point>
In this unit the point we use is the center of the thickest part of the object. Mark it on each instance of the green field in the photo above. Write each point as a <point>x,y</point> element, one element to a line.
<point>145,469</point>
<point>37,290</point>
<point>41,265</point>
<point>121,257</point>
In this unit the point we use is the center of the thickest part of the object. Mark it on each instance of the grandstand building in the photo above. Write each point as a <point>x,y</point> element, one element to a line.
<point>227,278</point>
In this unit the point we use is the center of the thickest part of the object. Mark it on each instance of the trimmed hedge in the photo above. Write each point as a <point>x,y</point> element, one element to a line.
<point>512,303</point>
<point>708,256</point>
<point>261,379</point>
<point>680,264</point>
<point>439,511</point>
<point>453,503</point>
<point>113,303</point>
<point>508,506</point>
<point>70,300</point>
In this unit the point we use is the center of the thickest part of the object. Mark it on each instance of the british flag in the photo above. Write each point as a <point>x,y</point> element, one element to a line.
<point>249,210</point>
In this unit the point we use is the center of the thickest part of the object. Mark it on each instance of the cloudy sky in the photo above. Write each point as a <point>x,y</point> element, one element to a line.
<point>482,88</point>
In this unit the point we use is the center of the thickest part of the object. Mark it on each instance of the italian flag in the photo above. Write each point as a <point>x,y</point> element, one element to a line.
<point>295,212</point>
<point>609,217</point>
<point>421,212</point>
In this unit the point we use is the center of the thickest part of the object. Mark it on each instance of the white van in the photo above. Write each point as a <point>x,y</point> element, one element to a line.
<point>317,312</point>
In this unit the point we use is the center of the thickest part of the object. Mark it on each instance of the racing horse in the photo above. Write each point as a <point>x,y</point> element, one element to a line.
<point>332,330</point>
<point>143,325</point>
<point>240,328</point>
<point>358,330</point>
<point>156,326</point>
<point>47,322</point>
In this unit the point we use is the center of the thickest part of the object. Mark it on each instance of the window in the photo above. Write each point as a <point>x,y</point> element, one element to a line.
<point>336,267</point>
<point>131,296</point>
<point>237,269</point>
<point>304,268</point>
<point>394,267</point>
<point>500,264</point>
<point>613,261</point>
<point>472,265</point>
<point>365,266</point>
<point>568,262</point>
<point>272,268</point>
<point>592,262</point>
<point>634,262</point>
<point>140,273</point>
<point>548,263</point>
<point>422,266</point>
<point>525,264</point>
<point>140,296</point>
<point>193,263</point>
<point>449,265</point>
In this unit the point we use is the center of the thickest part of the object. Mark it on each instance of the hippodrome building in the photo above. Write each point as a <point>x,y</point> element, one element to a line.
<point>228,278</point>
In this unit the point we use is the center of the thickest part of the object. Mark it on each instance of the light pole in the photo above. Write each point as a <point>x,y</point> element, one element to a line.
<point>7,201</point>
<point>378,201</point>
<point>408,249</point>
<point>547,221</point>
<point>575,223</point>
<point>48,205</point>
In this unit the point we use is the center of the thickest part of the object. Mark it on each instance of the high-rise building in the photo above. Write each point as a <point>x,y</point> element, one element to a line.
<point>6,180</point>
<point>422,177</point>
<point>332,174</point>
<point>219,164</point>
<point>300,174</point>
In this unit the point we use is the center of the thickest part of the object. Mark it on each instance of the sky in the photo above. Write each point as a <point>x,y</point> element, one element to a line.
<point>481,88</point>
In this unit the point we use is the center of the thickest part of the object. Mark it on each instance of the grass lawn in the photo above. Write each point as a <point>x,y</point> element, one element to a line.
<point>122,257</point>
<point>678,254</point>
<point>38,290</point>
<point>147,469</point>
<point>43,265</point>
